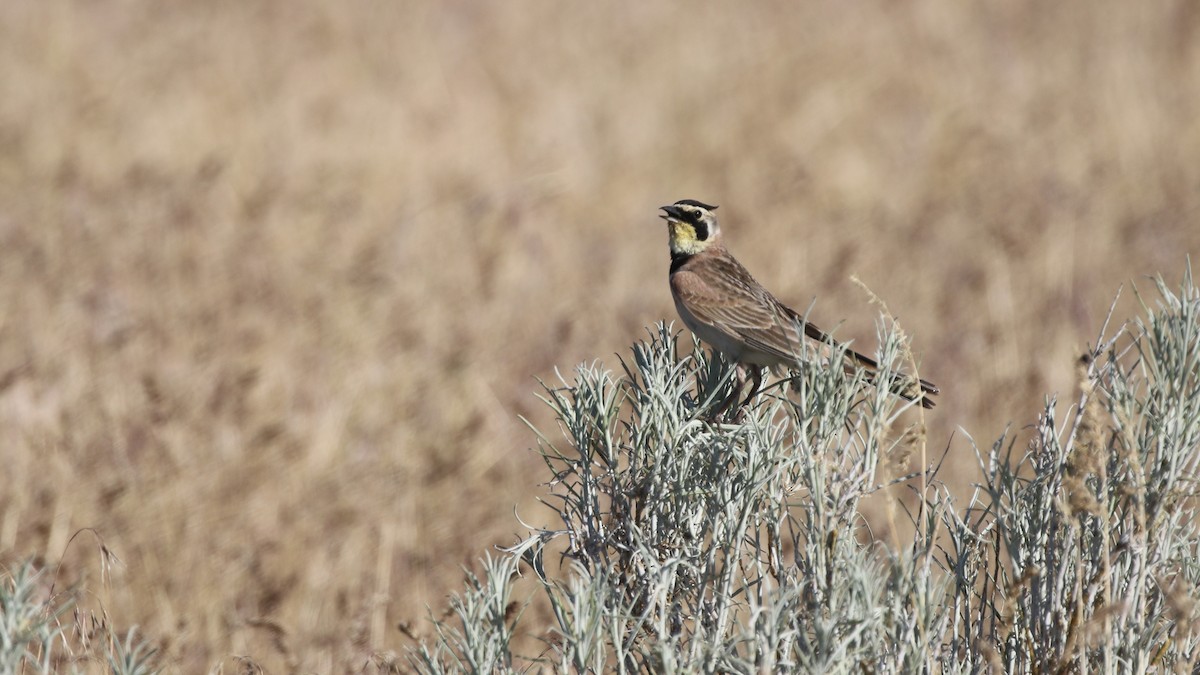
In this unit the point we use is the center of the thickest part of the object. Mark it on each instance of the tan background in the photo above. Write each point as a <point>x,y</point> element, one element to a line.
<point>276,277</point>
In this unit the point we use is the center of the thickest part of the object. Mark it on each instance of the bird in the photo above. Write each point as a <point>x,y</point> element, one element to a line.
<point>719,301</point>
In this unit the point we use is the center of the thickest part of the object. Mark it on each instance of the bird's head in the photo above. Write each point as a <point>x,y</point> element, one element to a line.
<point>691,226</point>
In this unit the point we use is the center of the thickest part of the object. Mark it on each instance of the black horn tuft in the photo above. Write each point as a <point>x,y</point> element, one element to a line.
<point>693,202</point>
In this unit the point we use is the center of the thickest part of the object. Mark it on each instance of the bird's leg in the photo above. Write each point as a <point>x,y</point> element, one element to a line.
<point>742,374</point>
<point>739,378</point>
<point>739,415</point>
<point>756,373</point>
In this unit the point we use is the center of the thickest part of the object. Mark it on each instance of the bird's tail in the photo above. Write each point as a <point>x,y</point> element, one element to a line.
<point>906,387</point>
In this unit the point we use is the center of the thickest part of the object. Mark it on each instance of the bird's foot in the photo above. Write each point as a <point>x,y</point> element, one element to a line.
<point>739,414</point>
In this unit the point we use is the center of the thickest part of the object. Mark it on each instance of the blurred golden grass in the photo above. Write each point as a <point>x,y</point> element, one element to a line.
<point>276,277</point>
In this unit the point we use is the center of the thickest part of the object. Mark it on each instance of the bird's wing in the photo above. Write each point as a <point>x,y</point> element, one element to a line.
<point>726,297</point>
<point>740,307</point>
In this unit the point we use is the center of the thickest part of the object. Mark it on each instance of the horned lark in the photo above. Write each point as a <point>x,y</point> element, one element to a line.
<point>725,307</point>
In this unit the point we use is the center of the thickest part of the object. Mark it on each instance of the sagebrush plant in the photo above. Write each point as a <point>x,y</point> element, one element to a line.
<point>38,636</point>
<point>693,545</point>
<point>29,630</point>
<point>1083,552</point>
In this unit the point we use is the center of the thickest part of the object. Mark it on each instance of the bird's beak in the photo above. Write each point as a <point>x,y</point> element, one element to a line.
<point>673,212</point>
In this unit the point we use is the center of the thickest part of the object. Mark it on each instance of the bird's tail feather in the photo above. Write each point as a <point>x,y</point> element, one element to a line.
<point>906,387</point>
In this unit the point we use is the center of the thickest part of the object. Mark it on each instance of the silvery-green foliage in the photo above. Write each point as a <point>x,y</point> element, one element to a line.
<point>29,631</point>
<point>33,638</point>
<point>479,641</point>
<point>1096,523</point>
<point>690,544</point>
<point>715,545</point>
<point>132,657</point>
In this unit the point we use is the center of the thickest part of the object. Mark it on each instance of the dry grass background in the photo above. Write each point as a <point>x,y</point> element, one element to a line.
<point>276,277</point>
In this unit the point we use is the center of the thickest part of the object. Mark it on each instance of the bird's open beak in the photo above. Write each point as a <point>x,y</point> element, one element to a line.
<point>673,212</point>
